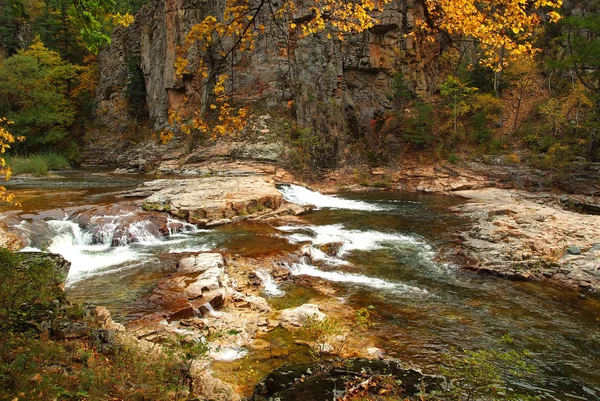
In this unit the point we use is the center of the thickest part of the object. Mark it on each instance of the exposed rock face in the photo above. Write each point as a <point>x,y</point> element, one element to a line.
<point>338,87</point>
<point>520,235</point>
<point>214,200</point>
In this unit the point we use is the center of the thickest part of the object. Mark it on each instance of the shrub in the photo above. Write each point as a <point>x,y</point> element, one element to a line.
<point>419,127</point>
<point>25,291</point>
<point>324,336</point>
<point>38,164</point>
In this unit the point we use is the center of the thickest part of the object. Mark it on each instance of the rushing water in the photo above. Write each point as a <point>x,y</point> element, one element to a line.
<point>392,254</point>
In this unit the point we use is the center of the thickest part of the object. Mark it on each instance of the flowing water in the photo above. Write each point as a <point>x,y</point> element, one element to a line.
<point>389,252</point>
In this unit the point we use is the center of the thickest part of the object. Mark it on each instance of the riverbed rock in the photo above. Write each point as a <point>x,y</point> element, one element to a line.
<point>8,239</point>
<point>120,224</point>
<point>209,388</point>
<point>534,240</point>
<point>206,200</point>
<point>294,318</point>
<point>103,319</point>
<point>199,263</point>
<point>252,302</point>
<point>199,284</point>
<point>308,382</point>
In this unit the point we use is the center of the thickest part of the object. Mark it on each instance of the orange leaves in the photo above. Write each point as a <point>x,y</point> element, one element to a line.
<point>503,28</point>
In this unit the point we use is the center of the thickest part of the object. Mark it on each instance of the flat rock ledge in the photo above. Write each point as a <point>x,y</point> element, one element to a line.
<point>211,201</point>
<point>521,236</point>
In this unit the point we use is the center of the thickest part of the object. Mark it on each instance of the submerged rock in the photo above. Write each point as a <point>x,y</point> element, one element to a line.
<point>316,383</point>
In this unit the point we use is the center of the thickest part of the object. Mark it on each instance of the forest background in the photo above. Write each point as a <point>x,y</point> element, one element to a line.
<point>525,85</point>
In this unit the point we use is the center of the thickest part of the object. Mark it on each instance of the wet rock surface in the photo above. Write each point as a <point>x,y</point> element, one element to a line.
<point>309,382</point>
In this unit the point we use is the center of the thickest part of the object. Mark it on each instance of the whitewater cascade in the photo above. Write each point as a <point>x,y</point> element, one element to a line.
<point>109,246</point>
<point>304,196</point>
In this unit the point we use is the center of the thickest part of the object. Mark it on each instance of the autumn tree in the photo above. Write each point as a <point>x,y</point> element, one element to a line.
<point>503,30</point>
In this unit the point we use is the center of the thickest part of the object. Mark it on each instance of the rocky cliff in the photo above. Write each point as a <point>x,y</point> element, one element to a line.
<point>338,87</point>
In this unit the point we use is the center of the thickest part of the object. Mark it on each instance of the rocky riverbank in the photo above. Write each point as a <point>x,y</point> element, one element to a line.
<point>220,296</point>
<point>522,235</point>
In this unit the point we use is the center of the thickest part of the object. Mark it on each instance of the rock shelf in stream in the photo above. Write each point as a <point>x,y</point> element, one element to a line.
<point>199,285</point>
<point>521,236</point>
<point>211,201</point>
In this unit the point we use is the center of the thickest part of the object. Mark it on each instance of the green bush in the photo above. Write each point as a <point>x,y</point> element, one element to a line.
<point>26,292</point>
<point>419,127</point>
<point>34,365</point>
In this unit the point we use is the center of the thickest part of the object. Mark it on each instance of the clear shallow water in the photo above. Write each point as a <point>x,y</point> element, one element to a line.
<point>388,257</point>
<point>69,188</point>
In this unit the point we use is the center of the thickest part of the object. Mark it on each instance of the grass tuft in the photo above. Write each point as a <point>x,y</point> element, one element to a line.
<point>37,164</point>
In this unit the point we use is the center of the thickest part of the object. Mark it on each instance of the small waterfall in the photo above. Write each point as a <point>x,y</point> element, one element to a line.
<point>304,196</point>
<point>270,286</point>
<point>88,252</point>
<point>139,232</point>
<point>349,240</point>
<point>181,227</point>
<point>228,354</point>
<point>209,307</point>
<point>307,269</point>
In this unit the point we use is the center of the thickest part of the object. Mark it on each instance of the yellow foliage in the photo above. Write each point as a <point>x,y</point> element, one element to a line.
<point>122,20</point>
<point>6,138</point>
<point>503,28</point>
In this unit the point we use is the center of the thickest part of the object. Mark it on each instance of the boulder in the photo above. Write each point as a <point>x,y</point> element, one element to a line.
<point>294,318</point>
<point>57,263</point>
<point>313,383</point>
<point>209,388</point>
<point>252,302</point>
<point>200,263</point>
<point>210,280</point>
<point>208,200</point>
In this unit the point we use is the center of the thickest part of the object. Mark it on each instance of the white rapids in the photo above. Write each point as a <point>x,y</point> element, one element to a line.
<point>304,196</point>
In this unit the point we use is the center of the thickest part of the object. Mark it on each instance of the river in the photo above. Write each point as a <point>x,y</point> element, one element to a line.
<point>394,256</point>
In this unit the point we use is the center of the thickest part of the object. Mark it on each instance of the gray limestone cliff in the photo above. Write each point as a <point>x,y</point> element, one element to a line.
<point>338,87</point>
